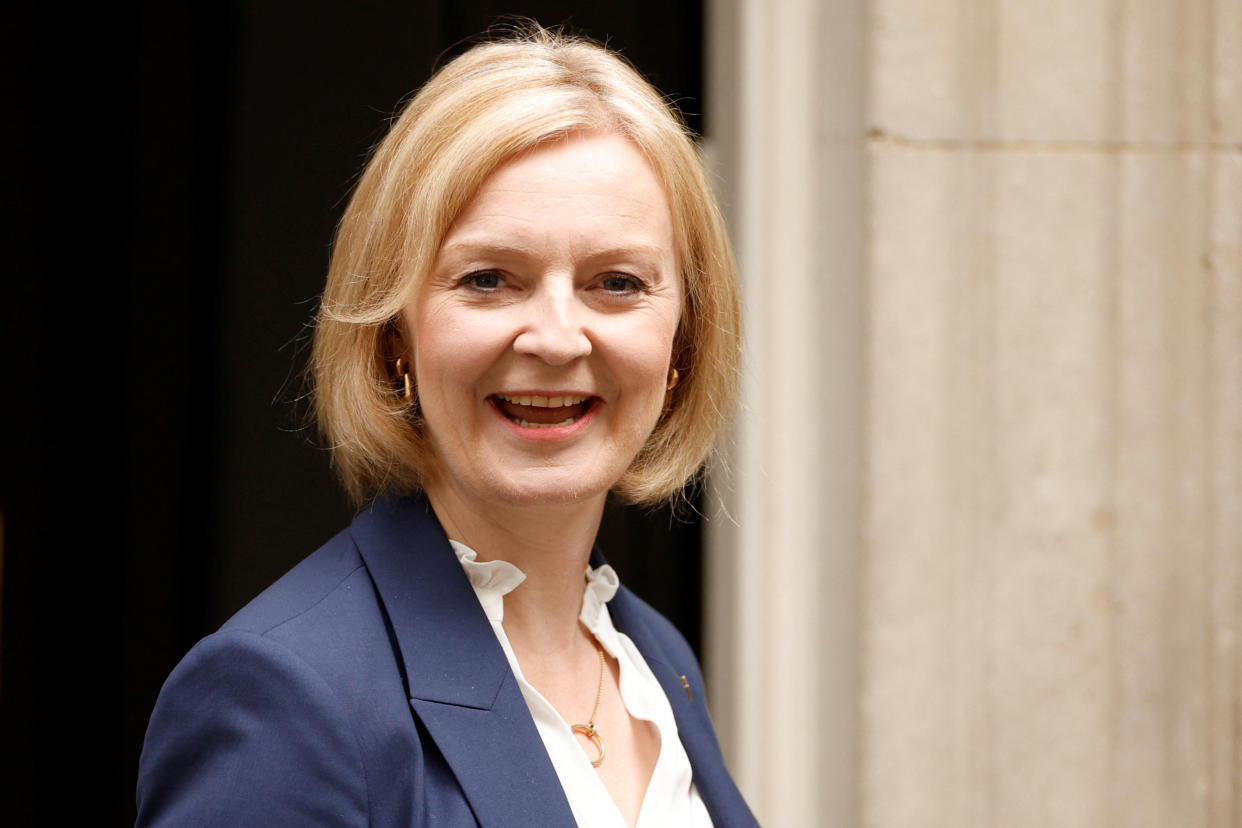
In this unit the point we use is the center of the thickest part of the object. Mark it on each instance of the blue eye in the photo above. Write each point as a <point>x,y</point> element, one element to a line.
<point>483,280</point>
<point>621,284</point>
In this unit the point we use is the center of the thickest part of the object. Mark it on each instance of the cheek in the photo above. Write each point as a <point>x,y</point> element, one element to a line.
<point>643,359</point>
<point>450,346</point>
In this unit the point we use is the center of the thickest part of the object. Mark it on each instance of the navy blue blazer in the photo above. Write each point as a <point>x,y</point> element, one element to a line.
<point>366,687</point>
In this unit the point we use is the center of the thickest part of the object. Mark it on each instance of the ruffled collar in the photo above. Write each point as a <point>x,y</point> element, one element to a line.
<point>493,580</point>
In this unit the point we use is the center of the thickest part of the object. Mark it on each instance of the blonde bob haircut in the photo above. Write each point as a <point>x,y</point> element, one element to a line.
<point>498,99</point>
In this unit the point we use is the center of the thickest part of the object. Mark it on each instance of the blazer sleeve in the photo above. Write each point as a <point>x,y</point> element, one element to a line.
<point>245,732</point>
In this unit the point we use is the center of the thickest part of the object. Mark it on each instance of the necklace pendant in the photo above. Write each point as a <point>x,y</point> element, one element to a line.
<point>588,730</point>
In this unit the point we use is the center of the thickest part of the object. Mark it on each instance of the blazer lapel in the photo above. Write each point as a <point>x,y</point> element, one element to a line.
<point>460,684</point>
<point>723,800</point>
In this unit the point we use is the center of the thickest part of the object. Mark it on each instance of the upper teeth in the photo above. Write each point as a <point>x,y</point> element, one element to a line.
<point>542,402</point>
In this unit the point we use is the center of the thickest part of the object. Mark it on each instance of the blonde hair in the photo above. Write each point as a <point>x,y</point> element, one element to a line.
<point>498,99</point>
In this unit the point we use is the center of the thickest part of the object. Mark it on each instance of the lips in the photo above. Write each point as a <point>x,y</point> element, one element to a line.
<point>540,411</point>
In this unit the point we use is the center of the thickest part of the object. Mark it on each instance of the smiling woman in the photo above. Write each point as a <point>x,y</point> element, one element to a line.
<point>531,303</point>
<point>561,276</point>
<point>494,103</point>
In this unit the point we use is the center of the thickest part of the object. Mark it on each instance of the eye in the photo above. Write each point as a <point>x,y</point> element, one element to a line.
<point>484,280</point>
<point>621,283</point>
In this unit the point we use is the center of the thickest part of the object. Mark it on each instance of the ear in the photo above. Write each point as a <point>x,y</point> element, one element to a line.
<point>394,342</point>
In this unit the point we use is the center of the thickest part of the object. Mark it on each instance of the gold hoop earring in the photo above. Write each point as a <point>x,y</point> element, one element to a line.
<point>674,377</point>
<point>403,372</point>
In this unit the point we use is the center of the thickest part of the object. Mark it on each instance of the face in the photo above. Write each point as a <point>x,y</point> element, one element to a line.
<point>541,340</point>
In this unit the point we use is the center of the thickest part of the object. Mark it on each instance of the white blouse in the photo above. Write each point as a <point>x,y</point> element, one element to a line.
<point>671,797</point>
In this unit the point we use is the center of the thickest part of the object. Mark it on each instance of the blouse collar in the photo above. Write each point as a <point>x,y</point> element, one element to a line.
<point>493,580</point>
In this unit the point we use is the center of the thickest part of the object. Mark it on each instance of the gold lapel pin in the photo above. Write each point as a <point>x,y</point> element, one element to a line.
<point>686,685</point>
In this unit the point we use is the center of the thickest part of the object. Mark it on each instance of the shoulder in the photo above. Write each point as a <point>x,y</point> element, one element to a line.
<point>295,706</point>
<point>245,729</point>
<point>324,612</point>
<point>326,572</point>
<point>655,636</point>
<point>656,623</point>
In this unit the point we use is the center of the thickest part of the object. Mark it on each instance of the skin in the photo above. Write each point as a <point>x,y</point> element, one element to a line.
<point>559,278</point>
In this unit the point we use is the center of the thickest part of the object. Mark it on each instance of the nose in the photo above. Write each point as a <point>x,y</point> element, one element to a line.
<point>554,325</point>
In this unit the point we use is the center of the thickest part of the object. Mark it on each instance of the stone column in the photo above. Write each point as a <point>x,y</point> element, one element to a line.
<point>782,626</point>
<point>1040,331</point>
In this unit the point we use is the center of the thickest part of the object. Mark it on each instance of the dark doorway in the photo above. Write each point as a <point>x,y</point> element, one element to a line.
<point>175,173</point>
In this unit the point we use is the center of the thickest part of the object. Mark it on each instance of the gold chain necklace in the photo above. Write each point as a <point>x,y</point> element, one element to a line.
<point>588,730</point>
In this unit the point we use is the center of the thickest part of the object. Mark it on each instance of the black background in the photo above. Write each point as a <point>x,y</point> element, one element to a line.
<point>174,173</point>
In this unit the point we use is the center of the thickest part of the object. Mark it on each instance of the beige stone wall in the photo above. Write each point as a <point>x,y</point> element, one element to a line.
<point>1042,337</point>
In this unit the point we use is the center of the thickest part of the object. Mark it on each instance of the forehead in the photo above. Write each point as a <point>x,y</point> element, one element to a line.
<point>586,158</point>
<point>594,186</point>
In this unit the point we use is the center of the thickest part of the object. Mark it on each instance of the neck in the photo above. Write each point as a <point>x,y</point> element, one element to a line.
<point>551,544</point>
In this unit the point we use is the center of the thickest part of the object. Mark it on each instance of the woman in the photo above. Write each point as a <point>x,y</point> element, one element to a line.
<point>531,303</point>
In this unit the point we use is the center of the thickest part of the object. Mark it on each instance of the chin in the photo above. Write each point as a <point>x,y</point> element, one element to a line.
<point>547,487</point>
<point>548,493</point>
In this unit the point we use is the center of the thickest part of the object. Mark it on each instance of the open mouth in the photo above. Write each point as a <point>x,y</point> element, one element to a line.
<point>537,411</point>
